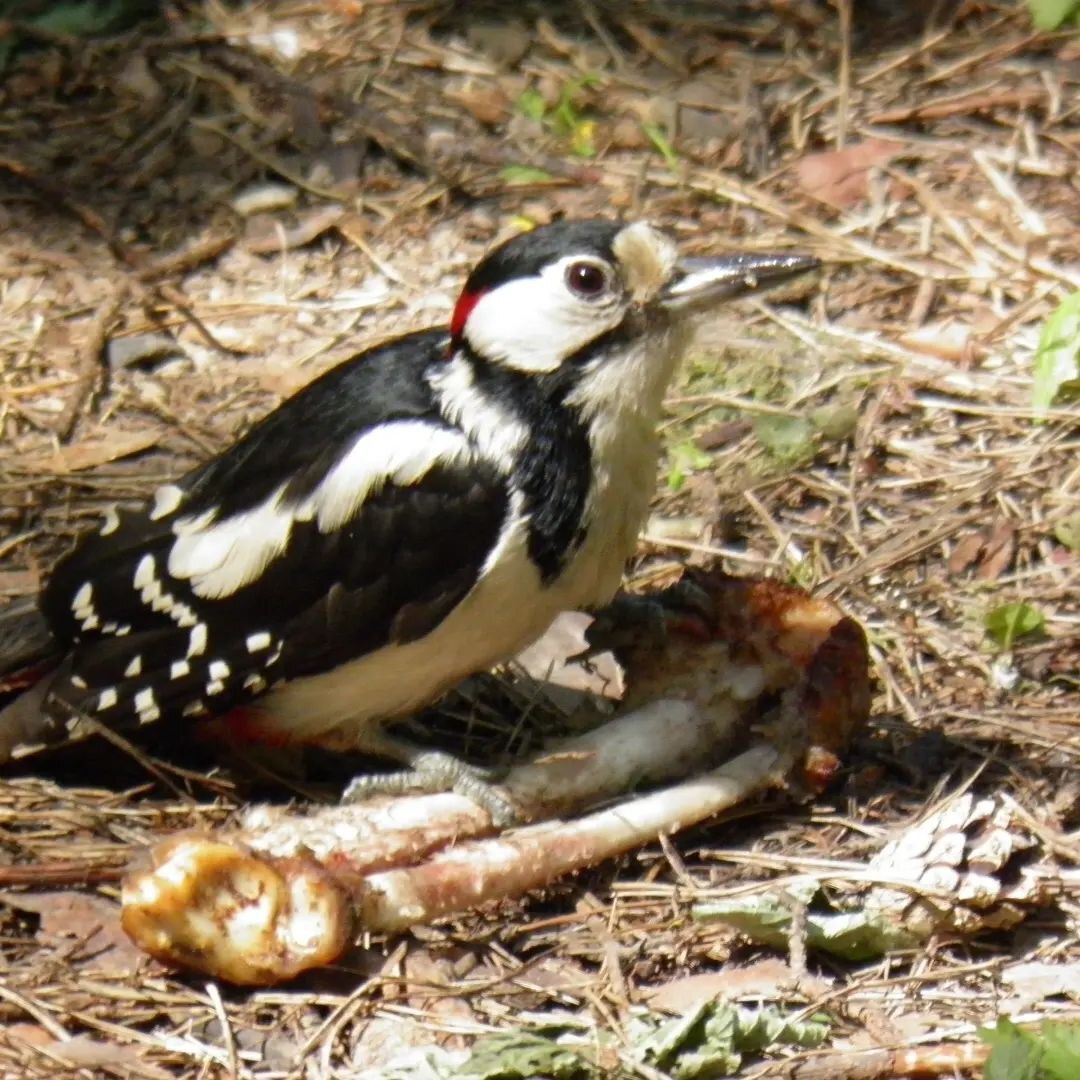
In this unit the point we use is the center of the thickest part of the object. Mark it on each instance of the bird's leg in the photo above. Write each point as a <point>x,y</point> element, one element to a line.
<point>431,771</point>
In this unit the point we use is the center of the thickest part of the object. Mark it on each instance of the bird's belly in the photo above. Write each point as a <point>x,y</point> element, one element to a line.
<point>506,610</point>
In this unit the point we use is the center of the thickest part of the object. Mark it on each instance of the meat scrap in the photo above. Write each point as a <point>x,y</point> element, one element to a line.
<point>754,671</point>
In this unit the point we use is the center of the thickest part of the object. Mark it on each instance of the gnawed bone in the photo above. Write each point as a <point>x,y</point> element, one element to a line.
<point>289,891</point>
<point>659,741</point>
<point>238,914</point>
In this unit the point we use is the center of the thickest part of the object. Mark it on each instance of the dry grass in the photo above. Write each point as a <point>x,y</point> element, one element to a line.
<point>916,490</point>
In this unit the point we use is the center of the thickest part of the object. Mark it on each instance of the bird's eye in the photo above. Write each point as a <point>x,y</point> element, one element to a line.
<point>586,279</point>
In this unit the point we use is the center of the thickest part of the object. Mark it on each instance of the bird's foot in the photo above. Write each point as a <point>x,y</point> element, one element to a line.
<point>433,771</point>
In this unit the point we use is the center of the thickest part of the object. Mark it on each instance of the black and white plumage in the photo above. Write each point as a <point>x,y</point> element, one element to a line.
<point>419,513</point>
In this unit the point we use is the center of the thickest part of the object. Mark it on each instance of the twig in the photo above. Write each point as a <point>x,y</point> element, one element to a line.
<point>63,874</point>
<point>843,77</point>
<point>89,366</point>
<point>961,105</point>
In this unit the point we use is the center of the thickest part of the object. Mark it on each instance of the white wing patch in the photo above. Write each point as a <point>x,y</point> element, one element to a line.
<point>110,522</point>
<point>167,498</point>
<point>399,453</point>
<point>219,557</point>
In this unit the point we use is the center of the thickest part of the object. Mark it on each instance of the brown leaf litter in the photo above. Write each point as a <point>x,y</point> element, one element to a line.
<point>122,162</point>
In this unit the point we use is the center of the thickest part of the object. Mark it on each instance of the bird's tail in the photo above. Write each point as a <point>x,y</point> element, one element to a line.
<point>26,645</point>
<point>28,654</point>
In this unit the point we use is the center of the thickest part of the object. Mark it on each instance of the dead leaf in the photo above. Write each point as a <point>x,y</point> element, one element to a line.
<point>266,234</point>
<point>990,550</point>
<point>965,554</point>
<point>768,980</point>
<point>1000,547</point>
<point>505,41</point>
<point>19,582</point>
<point>839,178</point>
<point>140,349</point>
<point>704,109</point>
<point>86,1052</point>
<point>97,449</point>
<point>488,104</point>
<point>85,925</point>
<point>549,659</point>
<point>31,1034</point>
<point>135,77</point>
<point>948,340</point>
<point>723,434</point>
<point>264,199</point>
<point>426,977</point>
<point>1038,980</point>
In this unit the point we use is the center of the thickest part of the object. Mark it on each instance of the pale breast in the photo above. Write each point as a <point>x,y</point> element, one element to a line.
<point>509,607</point>
<point>506,610</point>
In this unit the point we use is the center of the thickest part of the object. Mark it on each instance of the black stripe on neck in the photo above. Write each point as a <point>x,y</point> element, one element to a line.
<point>554,468</point>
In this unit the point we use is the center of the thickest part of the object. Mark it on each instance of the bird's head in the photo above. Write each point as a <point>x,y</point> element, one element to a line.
<point>571,293</point>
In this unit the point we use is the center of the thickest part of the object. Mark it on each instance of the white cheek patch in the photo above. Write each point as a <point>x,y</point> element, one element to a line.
<point>220,557</point>
<point>535,323</point>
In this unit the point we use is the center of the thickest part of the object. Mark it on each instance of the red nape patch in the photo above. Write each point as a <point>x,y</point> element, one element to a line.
<point>462,310</point>
<point>242,726</point>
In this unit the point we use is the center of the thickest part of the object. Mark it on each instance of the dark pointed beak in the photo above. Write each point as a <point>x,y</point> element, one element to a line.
<point>700,281</point>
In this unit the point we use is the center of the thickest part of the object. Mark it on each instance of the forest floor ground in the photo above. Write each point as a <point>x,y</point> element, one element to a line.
<point>199,216</point>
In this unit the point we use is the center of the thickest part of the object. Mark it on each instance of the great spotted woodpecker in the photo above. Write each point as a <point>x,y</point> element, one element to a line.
<point>417,514</point>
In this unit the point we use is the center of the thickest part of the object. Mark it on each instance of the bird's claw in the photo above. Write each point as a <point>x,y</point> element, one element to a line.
<point>433,771</point>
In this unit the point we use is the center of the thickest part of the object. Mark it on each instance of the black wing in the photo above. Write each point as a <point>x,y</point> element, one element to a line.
<point>144,643</point>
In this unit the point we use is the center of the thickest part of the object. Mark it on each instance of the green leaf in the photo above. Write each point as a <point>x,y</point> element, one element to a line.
<point>531,104</point>
<point>683,458</point>
<point>1061,1051</point>
<point>1050,14</point>
<point>1014,1053</point>
<point>524,174</point>
<point>1067,531</point>
<point>766,920</point>
<point>858,935</point>
<point>758,1029</point>
<point>835,422</point>
<point>681,1048</point>
<point>660,141</point>
<point>1010,621</point>
<point>72,18</point>
<point>789,439</point>
<point>583,138</point>
<point>80,18</point>
<point>566,117</point>
<point>518,1055</point>
<point>1057,359</point>
<point>710,1039</point>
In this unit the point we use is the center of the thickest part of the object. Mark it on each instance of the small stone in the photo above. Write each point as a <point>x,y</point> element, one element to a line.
<point>262,198</point>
